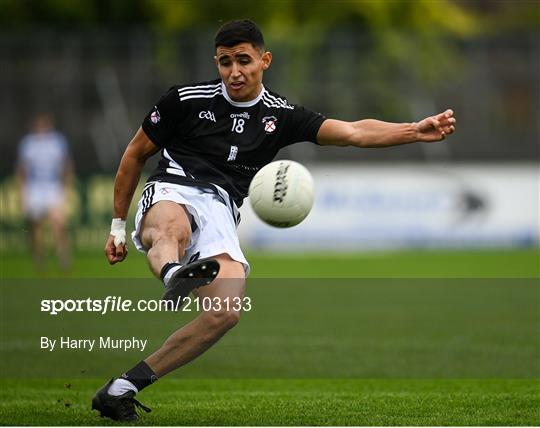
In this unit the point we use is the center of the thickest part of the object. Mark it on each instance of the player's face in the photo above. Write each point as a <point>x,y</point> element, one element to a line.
<point>241,68</point>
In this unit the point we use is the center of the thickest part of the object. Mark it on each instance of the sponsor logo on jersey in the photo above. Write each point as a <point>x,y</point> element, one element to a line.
<point>232,154</point>
<point>243,115</point>
<point>154,116</point>
<point>269,124</point>
<point>207,115</point>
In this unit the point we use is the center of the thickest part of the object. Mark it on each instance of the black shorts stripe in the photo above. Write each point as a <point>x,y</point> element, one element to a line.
<point>147,197</point>
<point>234,211</point>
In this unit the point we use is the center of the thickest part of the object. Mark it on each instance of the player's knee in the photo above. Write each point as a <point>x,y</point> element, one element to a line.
<point>231,319</point>
<point>231,270</point>
<point>221,321</point>
<point>171,232</point>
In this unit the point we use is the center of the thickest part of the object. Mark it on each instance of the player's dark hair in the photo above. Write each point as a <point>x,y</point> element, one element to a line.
<point>239,31</point>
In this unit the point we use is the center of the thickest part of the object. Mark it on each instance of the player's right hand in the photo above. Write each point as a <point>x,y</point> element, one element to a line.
<point>115,253</point>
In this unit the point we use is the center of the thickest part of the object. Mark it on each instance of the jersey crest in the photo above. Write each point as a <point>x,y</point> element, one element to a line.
<point>269,124</point>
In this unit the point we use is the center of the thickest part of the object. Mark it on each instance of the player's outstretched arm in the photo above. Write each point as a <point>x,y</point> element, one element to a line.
<point>137,152</point>
<point>375,133</point>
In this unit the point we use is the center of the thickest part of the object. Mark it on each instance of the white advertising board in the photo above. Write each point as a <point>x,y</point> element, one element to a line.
<point>410,205</point>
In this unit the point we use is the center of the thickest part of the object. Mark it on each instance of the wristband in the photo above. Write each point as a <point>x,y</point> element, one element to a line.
<point>118,230</point>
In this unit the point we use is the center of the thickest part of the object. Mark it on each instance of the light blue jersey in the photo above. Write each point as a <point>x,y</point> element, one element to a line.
<point>43,157</point>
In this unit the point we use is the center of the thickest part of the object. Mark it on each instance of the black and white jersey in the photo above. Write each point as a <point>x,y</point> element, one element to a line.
<point>208,139</point>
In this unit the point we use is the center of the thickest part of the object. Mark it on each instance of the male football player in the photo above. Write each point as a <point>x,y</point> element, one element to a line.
<point>44,172</point>
<point>213,137</point>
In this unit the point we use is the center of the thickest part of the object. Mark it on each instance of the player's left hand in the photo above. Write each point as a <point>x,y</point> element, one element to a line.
<point>436,128</point>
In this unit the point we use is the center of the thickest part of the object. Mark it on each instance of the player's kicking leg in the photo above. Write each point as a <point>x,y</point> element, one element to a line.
<point>116,399</point>
<point>206,329</point>
<point>166,231</point>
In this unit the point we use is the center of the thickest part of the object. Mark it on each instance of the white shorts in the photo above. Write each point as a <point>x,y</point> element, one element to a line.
<point>214,220</point>
<point>40,198</point>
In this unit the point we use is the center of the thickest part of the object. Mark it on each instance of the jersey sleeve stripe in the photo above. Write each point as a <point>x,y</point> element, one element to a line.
<point>198,91</point>
<point>279,101</point>
<point>271,103</point>
<point>189,88</point>
<point>200,96</point>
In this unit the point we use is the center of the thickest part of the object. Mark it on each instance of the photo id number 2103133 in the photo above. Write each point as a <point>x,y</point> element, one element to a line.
<point>217,304</point>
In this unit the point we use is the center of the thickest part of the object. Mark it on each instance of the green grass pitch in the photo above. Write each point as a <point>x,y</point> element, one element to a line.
<point>312,402</point>
<point>357,346</point>
<point>425,264</point>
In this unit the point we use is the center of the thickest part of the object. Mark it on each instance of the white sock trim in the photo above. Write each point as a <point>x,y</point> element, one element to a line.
<point>170,273</point>
<point>121,386</point>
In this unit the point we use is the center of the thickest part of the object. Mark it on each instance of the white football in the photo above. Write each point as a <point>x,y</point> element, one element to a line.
<point>282,193</point>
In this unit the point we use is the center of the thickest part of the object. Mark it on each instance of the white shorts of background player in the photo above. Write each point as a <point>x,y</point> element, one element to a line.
<point>40,198</point>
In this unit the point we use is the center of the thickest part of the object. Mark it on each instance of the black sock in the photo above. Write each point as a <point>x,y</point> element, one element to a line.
<point>166,268</point>
<point>141,375</point>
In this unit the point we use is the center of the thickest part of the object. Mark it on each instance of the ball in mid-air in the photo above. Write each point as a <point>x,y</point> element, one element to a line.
<point>282,193</point>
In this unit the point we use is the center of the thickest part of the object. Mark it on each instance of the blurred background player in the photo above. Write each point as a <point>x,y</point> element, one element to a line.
<point>44,171</point>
